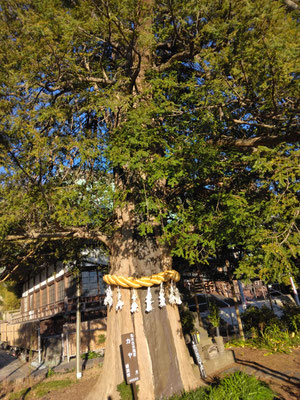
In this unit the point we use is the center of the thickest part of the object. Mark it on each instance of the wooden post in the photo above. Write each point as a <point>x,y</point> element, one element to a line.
<point>134,391</point>
<point>39,345</point>
<point>67,340</point>
<point>78,326</point>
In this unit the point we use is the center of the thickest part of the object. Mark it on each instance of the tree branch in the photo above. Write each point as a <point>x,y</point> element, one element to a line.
<point>292,4</point>
<point>176,57</point>
<point>72,233</point>
<point>268,141</point>
<point>254,123</point>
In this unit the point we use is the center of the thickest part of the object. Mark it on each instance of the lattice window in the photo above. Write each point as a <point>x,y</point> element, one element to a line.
<point>25,304</point>
<point>31,302</point>
<point>37,299</point>
<point>60,290</point>
<point>44,297</point>
<point>52,294</point>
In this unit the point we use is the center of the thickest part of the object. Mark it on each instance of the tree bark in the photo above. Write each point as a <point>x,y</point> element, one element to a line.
<point>237,311</point>
<point>164,362</point>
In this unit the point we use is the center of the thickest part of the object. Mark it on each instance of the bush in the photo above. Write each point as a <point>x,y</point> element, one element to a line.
<point>256,319</point>
<point>214,314</point>
<point>273,339</point>
<point>89,355</point>
<point>237,386</point>
<point>187,320</point>
<point>291,317</point>
<point>277,340</point>
<point>50,372</point>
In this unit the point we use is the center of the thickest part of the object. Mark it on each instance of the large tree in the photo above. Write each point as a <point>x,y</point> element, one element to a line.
<point>155,128</point>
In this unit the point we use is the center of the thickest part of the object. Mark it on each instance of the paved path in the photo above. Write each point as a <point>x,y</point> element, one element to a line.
<point>11,368</point>
<point>14,370</point>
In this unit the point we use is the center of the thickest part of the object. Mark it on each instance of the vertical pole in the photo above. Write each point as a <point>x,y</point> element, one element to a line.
<point>295,291</point>
<point>270,298</point>
<point>62,347</point>
<point>231,317</point>
<point>39,345</point>
<point>78,325</point>
<point>67,340</point>
<point>134,391</point>
<point>242,294</point>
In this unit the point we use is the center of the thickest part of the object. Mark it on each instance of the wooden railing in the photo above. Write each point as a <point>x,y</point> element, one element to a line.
<point>59,307</point>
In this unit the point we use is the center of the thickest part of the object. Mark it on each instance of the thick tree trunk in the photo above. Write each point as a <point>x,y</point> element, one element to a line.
<point>164,362</point>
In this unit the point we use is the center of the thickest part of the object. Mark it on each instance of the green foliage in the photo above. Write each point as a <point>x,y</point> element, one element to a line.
<point>187,319</point>
<point>214,314</point>
<point>50,372</point>
<point>9,297</point>
<point>18,395</point>
<point>197,139</point>
<point>101,338</point>
<point>278,340</point>
<point>273,339</point>
<point>276,335</point>
<point>237,386</point>
<point>89,355</point>
<point>256,319</point>
<point>291,317</point>
<point>125,391</point>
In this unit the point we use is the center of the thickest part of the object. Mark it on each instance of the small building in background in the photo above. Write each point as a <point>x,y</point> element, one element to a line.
<point>45,323</point>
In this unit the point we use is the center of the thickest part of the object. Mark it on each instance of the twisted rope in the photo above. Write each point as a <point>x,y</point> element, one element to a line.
<point>147,281</point>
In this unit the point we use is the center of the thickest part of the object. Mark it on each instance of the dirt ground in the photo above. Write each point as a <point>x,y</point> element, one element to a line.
<point>280,371</point>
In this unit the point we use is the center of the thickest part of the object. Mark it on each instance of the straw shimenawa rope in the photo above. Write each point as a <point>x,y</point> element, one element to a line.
<point>147,281</point>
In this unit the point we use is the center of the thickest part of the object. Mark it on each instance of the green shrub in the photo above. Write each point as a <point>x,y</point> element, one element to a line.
<point>273,339</point>
<point>214,314</point>
<point>50,372</point>
<point>101,338</point>
<point>237,386</point>
<point>89,355</point>
<point>187,320</point>
<point>255,319</point>
<point>277,340</point>
<point>291,317</point>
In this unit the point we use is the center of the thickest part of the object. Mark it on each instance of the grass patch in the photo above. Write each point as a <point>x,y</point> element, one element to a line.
<point>41,389</point>
<point>125,391</point>
<point>89,355</point>
<point>50,372</point>
<point>237,386</point>
<point>273,339</point>
<point>18,395</point>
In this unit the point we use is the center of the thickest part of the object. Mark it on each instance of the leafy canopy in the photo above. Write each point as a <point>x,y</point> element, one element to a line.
<point>183,111</point>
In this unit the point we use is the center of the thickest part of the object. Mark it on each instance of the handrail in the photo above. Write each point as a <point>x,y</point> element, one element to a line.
<point>222,301</point>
